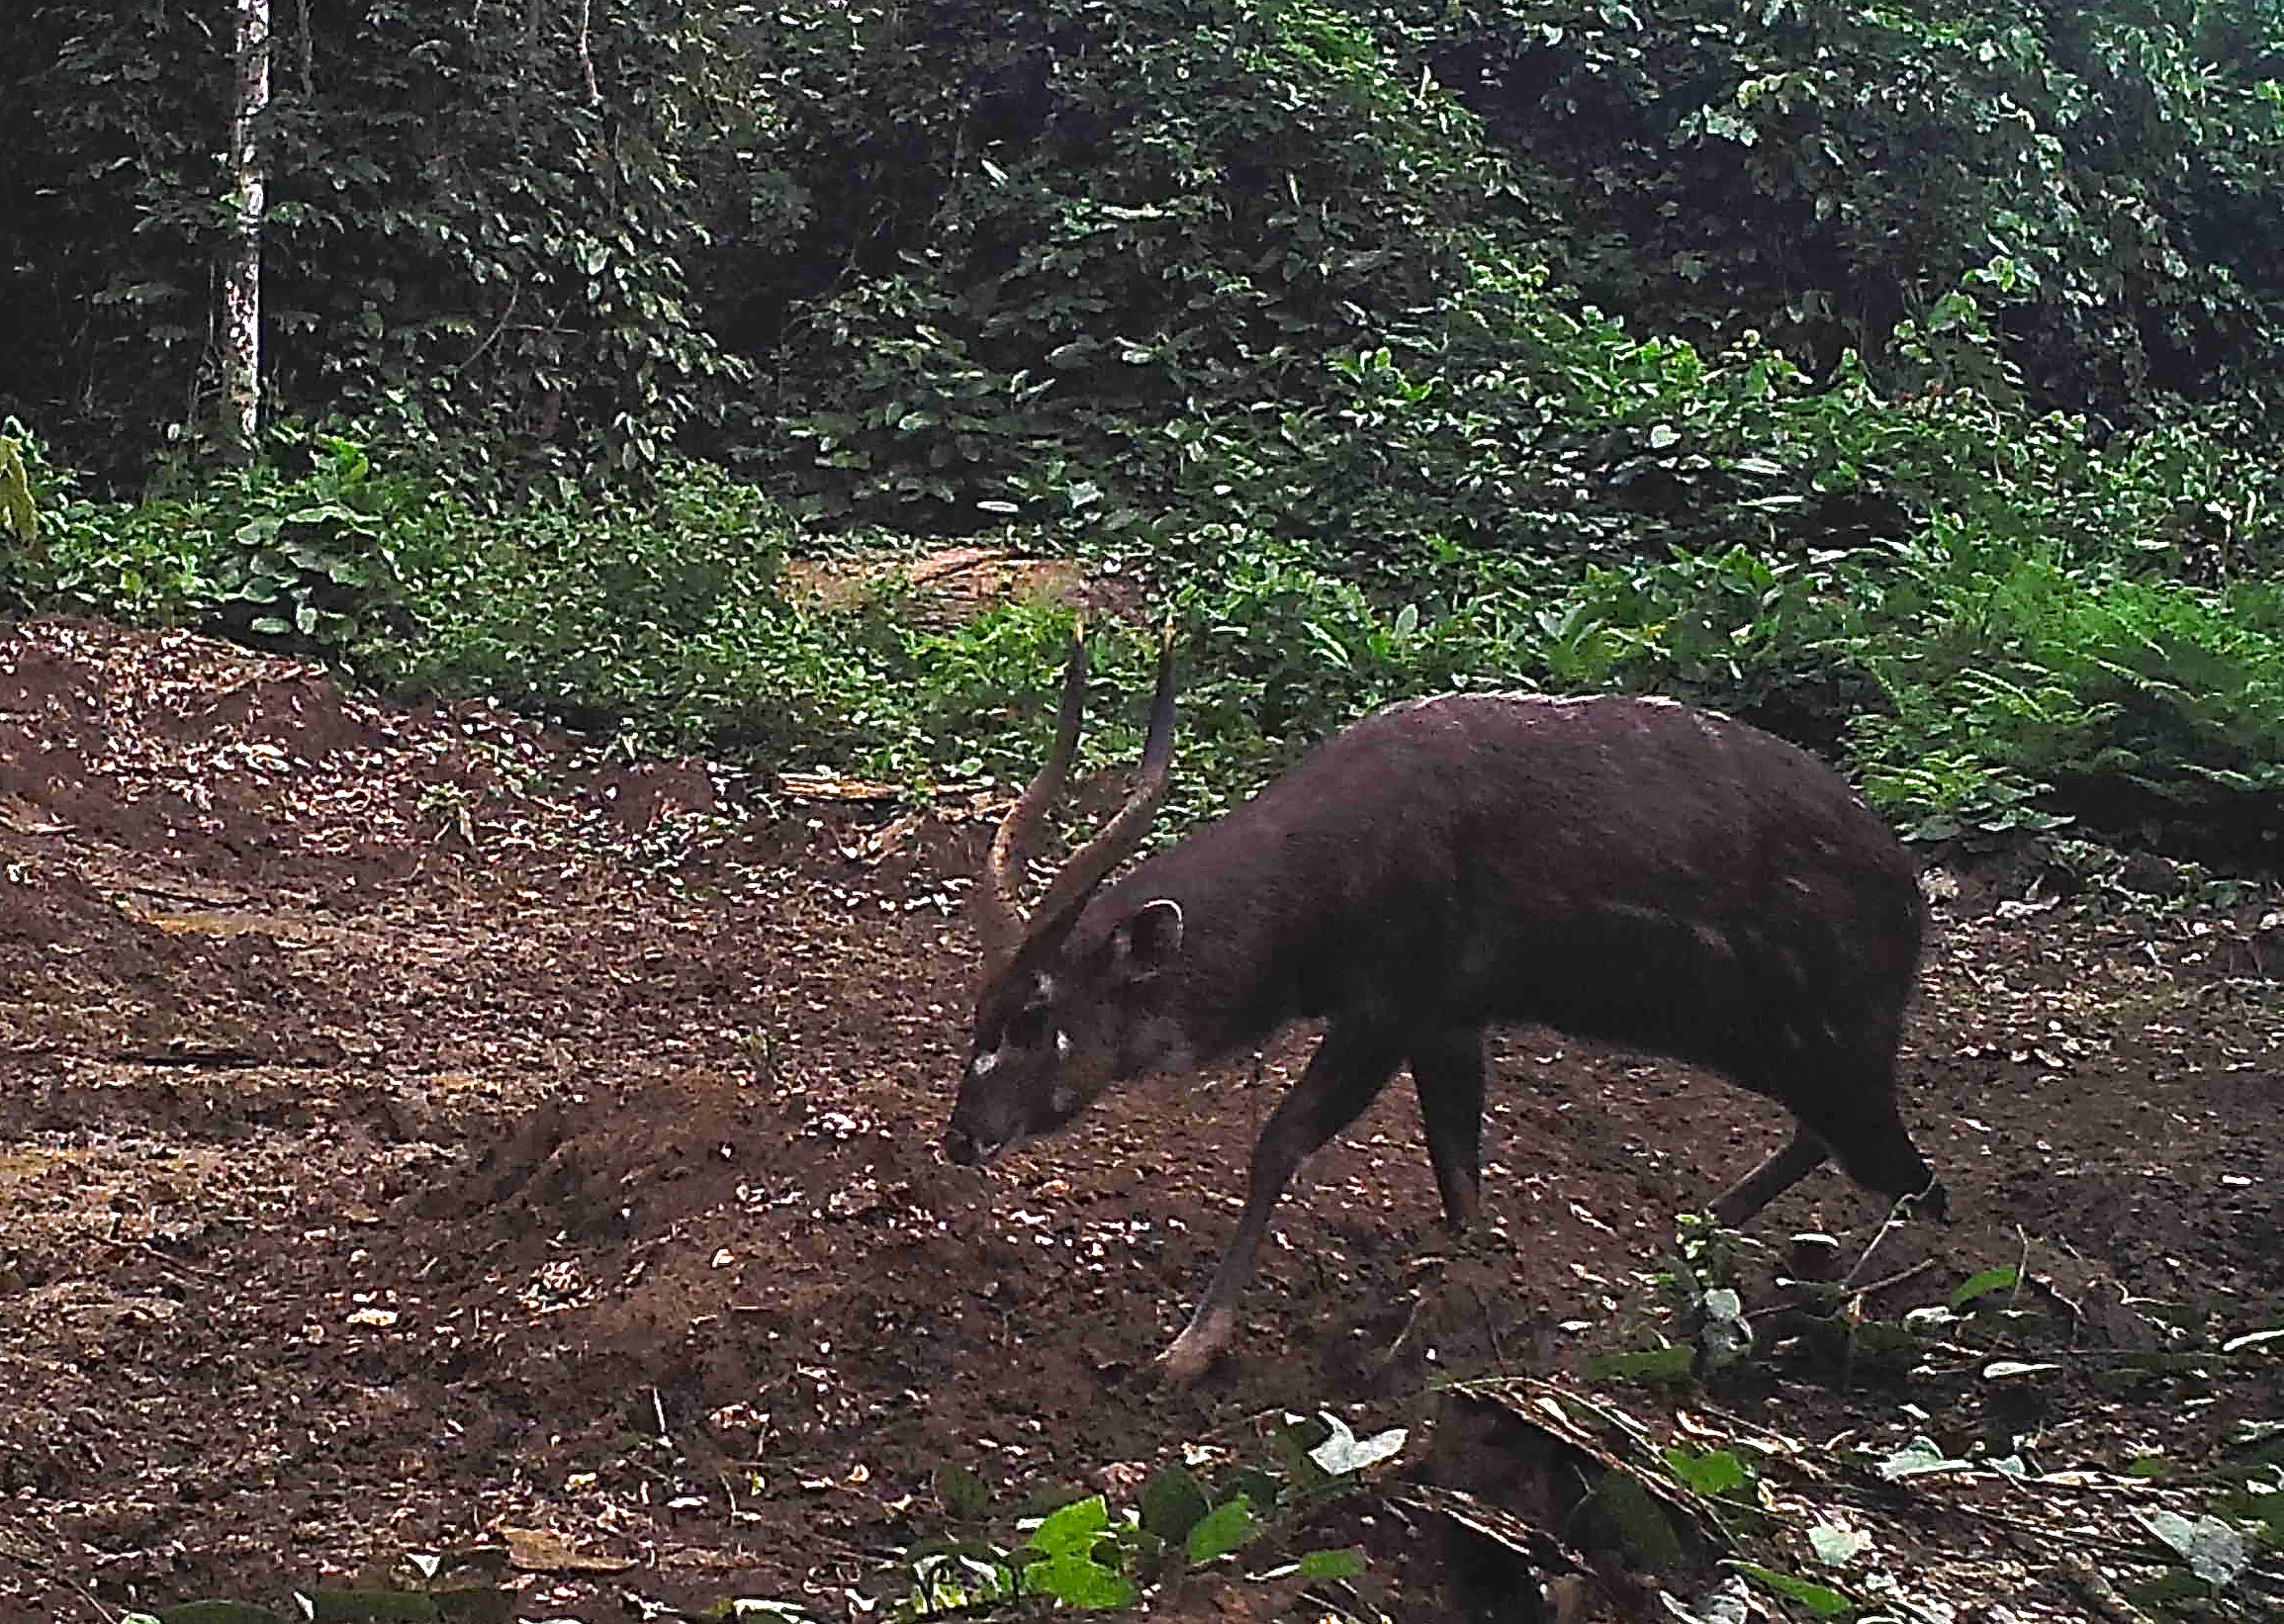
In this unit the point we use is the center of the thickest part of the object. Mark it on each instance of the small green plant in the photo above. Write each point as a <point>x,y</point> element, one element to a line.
<point>296,551</point>
<point>1083,1555</point>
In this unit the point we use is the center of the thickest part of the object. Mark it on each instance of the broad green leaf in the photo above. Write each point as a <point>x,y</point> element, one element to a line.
<point>19,515</point>
<point>1173,1503</point>
<point>1221,1530</point>
<point>1715,1472</point>
<point>1258,1484</point>
<point>1820,1599</point>
<point>1983,1283</point>
<point>1639,1520</point>
<point>1345,1563</point>
<point>1650,1364</point>
<point>1079,1581</point>
<point>1290,1442</point>
<point>1075,1529</point>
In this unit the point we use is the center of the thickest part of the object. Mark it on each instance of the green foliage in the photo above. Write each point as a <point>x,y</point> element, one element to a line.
<point>480,225</point>
<point>1672,1363</point>
<point>1143,212</point>
<point>1067,1567</point>
<point>297,552</point>
<point>1082,1556</point>
<point>660,619</point>
<point>2098,688</point>
<point>1825,172</point>
<point>1023,335</point>
<point>1248,264</point>
<point>1127,267</point>
<point>663,622</point>
<point>1992,616</point>
<point>1369,448</point>
<point>2016,655</point>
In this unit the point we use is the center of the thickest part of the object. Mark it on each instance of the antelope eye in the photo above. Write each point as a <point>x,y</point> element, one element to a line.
<point>1026,1028</point>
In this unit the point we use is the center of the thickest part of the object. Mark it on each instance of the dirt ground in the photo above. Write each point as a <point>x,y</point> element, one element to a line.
<point>414,1134</point>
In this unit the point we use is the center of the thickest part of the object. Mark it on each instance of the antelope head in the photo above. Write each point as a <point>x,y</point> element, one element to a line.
<point>1059,1015</point>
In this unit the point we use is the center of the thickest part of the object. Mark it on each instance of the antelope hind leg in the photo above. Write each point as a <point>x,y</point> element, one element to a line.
<point>1771,1179</point>
<point>1447,1073</point>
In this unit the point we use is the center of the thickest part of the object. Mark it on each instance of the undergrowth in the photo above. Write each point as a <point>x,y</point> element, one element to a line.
<point>2068,634</point>
<point>1975,1370</point>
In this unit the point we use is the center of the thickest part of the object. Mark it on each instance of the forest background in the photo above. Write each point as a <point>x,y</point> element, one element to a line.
<point>1903,377</point>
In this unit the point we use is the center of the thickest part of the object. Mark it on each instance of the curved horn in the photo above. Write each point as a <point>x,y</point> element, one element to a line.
<point>998,919</point>
<point>1120,837</point>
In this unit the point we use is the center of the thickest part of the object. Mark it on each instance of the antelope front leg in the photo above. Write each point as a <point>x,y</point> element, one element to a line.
<point>1349,1069</point>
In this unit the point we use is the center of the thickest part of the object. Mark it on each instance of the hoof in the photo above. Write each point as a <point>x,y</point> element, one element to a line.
<point>1181,1367</point>
<point>1194,1351</point>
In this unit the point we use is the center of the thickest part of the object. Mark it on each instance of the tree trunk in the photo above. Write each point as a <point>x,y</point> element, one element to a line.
<point>242,274</point>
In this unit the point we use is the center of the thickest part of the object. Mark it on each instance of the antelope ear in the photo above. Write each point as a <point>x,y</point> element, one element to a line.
<point>1146,940</point>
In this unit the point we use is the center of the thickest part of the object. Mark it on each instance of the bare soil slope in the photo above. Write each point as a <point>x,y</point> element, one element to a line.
<point>409,1134</point>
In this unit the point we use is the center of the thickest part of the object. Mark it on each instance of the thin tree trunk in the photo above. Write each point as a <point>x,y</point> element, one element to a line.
<point>242,274</point>
<point>587,55</point>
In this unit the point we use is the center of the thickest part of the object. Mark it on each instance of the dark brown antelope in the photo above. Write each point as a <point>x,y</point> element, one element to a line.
<point>1616,869</point>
